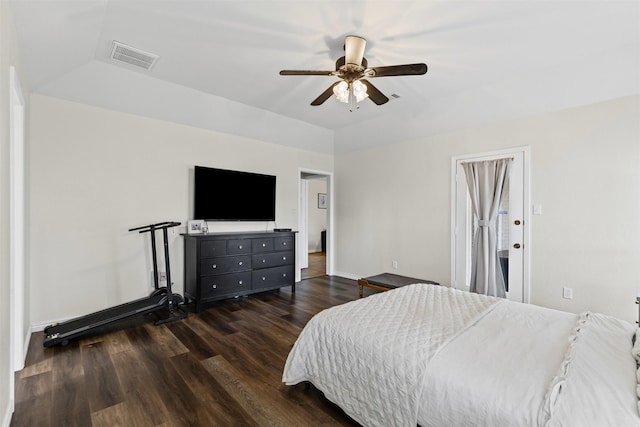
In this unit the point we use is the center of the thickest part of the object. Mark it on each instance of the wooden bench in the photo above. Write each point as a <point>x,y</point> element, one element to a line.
<point>388,281</point>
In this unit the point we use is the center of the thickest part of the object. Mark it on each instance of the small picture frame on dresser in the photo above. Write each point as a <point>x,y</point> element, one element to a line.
<point>196,226</point>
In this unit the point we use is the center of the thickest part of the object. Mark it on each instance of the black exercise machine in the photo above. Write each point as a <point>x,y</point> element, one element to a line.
<point>160,298</point>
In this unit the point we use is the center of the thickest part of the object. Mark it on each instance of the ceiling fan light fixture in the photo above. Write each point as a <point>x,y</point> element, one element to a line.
<point>341,91</point>
<point>351,93</point>
<point>359,90</point>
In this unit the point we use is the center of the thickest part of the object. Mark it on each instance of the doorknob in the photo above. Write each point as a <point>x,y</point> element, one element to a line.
<point>517,245</point>
<point>516,222</point>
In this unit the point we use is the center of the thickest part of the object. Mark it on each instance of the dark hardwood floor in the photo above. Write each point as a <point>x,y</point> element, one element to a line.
<point>317,266</point>
<point>220,367</point>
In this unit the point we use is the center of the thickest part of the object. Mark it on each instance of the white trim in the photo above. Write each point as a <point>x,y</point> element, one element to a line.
<point>17,237</point>
<point>40,326</point>
<point>303,224</point>
<point>526,267</point>
<point>8,412</point>
<point>27,341</point>
<point>330,215</point>
<point>345,275</point>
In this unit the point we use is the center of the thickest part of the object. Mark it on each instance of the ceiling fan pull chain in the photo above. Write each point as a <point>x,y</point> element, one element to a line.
<point>352,99</point>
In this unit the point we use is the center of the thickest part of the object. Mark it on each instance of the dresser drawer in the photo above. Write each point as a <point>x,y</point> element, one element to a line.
<point>273,259</point>
<point>272,277</point>
<point>211,248</point>
<point>230,264</point>
<point>225,284</point>
<point>262,245</point>
<point>239,247</point>
<point>283,243</point>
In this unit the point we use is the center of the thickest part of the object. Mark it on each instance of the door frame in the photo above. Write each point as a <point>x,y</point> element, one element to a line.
<point>526,235</point>
<point>17,238</point>
<point>303,218</point>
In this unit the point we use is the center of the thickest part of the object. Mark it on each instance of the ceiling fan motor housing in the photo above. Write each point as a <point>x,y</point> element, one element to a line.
<point>350,72</point>
<point>354,50</point>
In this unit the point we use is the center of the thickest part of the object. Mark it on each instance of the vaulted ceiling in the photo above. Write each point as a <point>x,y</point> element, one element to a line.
<point>489,61</point>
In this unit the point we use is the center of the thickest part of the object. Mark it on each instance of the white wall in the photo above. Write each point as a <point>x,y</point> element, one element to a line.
<point>585,174</point>
<point>96,173</point>
<point>180,104</point>
<point>9,56</point>
<point>317,216</point>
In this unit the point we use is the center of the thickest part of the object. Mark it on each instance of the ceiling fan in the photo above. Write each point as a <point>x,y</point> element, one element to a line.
<point>352,69</point>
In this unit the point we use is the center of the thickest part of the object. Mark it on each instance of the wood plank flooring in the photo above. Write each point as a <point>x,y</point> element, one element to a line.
<point>317,265</point>
<point>220,367</point>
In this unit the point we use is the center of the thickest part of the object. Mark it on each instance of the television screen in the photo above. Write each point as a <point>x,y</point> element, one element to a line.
<point>226,195</point>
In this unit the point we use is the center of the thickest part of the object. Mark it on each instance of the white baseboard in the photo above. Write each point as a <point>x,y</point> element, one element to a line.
<point>39,327</point>
<point>27,341</point>
<point>25,347</point>
<point>345,275</point>
<point>8,413</point>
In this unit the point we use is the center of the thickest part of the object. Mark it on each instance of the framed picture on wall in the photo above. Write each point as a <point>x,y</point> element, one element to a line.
<point>322,201</point>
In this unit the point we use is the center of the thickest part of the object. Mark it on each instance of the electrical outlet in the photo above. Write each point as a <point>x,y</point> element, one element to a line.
<point>567,293</point>
<point>394,264</point>
<point>162,279</point>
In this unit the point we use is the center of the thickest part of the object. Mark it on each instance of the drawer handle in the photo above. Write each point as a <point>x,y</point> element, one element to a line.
<point>239,246</point>
<point>264,245</point>
<point>239,282</point>
<point>284,258</point>
<point>284,243</point>
<point>214,266</point>
<point>214,286</point>
<point>264,260</point>
<point>240,263</point>
<point>284,274</point>
<point>264,278</point>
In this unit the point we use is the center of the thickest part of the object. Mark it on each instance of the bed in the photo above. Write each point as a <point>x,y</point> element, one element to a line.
<point>434,356</point>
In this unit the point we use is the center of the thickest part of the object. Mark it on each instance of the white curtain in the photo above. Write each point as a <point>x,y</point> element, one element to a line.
<point>485,181</point>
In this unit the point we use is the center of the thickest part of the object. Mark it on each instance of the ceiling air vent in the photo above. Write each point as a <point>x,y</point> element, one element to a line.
<point>139,58</point>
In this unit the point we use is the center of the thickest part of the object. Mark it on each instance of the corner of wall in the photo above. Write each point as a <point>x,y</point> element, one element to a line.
<point>6,419</point>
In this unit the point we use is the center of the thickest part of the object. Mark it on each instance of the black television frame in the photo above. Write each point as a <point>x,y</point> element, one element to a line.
<point>232,195</point>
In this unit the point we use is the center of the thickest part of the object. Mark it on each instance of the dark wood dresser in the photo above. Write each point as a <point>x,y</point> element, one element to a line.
<point>225,265</point>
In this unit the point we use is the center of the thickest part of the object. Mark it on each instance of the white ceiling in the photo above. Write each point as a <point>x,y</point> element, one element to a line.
<point>489,61</point>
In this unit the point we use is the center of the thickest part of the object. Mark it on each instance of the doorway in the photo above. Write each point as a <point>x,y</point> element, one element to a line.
<point>314,233</point>
<point>513,223</point>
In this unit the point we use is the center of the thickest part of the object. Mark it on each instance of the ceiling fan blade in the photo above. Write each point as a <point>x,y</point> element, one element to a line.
<point>324,96</point>
<point>305,73</point>
<point>400,70</point>
<point>354,49</point>
<point>374,94</point>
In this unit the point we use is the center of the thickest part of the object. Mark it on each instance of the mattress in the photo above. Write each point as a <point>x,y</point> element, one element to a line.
<point>524,365</point>
<point>455,358</point>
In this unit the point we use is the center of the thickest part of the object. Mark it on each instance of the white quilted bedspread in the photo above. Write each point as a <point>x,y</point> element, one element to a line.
<point>375,369</point>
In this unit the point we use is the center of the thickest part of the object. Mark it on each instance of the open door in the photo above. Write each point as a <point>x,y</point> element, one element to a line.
<point>513,224</point>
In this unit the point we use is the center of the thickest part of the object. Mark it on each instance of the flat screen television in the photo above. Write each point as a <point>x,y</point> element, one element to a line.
<point>228,195</point>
